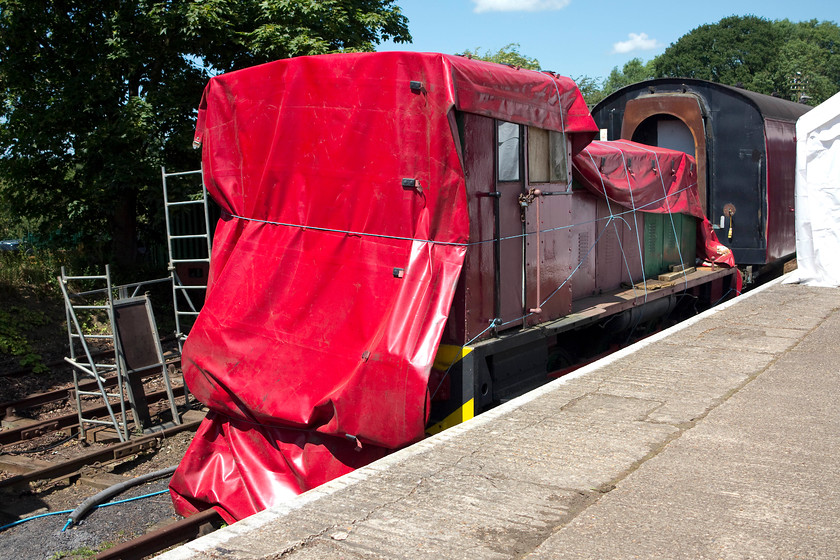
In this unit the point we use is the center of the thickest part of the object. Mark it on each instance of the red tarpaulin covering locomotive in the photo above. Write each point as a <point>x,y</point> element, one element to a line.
<point>393,226</point>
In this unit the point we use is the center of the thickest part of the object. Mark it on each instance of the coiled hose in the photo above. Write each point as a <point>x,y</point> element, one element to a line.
<point>111,491</point>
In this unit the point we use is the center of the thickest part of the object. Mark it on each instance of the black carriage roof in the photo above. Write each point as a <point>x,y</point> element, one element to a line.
<point>767,105</point>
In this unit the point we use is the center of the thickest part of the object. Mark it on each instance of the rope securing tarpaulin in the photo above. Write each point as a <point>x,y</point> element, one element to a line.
<point>650,179</point>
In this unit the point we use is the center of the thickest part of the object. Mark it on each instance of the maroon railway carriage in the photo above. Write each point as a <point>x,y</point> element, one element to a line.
<point>744,144</point>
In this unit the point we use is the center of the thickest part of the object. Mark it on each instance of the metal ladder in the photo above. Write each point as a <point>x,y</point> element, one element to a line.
<point>87,363</point>
<point>185,307</point>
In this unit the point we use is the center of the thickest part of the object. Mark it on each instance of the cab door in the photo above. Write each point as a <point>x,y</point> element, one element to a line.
<point>510,184</point>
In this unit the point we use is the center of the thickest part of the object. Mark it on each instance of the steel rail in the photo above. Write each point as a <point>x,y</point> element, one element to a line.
<point>186,529</point>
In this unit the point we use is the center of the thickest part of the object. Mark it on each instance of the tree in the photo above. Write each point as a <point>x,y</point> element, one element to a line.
<point>633,71</point>
<point>809,61</point>
<point>772,57</point>
<point>590,88</point>
<point>734,50</point>
<point>509,54</point>
<point>96,96</point>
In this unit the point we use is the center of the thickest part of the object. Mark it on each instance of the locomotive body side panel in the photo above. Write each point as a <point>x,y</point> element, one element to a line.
<point>737,170</point>
<point>556,249</point>
<point>582,251</point>
<point>617,255</point>
<point>473,305</point>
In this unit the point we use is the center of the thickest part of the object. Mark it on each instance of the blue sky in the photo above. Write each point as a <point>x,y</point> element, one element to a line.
<point>575,38</point>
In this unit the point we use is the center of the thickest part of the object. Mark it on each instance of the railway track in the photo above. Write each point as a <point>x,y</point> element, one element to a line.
<point>10,409</point>
<point>25,474</point>
<point>28,430</point>
<point>106,463</point>
<point>104,456</point>
<point>69,421</point>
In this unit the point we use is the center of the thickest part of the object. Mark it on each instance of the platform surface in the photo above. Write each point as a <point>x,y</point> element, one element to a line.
<point>719,438</point>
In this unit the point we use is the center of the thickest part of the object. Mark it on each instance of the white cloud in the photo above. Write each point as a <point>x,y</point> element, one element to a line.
<point>636,42</point>
<point>519,5</point>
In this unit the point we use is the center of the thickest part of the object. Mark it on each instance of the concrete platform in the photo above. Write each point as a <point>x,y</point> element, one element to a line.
<point>716,439</point>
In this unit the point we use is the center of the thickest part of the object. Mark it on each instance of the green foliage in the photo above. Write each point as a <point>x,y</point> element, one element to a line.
<point>14,325</point>
<point>780,58</point>
<point>509,54</point>
<point>809,60</point>
<point>94,99</point>
<point>730,51</point>
<point>633,71</point>
<point>31,305</point>
<point>36,271</point>
<point>590,88</point>
<point>771,57</point>
<point>83,552</point>
<point>94,321</point>
<point>231,35</point>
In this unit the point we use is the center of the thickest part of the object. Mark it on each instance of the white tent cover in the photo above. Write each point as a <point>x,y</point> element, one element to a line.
<point>818,195</point>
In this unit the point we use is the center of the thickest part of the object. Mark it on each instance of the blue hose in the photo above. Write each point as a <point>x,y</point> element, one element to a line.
<point>158,493</point>
<point>19,521</point>
<point>70,521</point>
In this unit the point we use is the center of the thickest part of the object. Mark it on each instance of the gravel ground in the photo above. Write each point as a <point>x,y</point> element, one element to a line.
<point>43,538</point>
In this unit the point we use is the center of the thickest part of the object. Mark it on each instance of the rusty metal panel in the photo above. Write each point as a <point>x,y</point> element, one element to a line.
<point>139,349</point>
<point>138,339</point>
<point>609,264</point>
<point>584,233</point>
<point>643,114</point>
<point>555,256</point>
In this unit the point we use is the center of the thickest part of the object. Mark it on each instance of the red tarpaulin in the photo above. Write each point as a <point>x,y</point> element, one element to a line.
<point>334,265</point>
<point>650,179</point>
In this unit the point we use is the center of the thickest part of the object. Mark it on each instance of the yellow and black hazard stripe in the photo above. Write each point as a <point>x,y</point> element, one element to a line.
<point>458,408</point>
